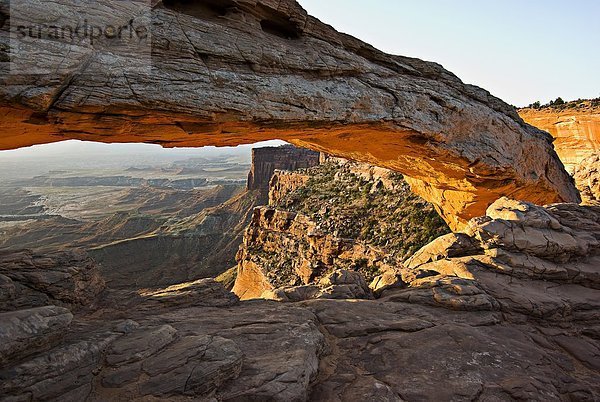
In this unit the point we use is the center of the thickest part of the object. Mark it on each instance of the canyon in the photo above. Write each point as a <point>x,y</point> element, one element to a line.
<point>241,71</point>
<point>139,233</point>
<point>347,310</point>
<point>144,230</point>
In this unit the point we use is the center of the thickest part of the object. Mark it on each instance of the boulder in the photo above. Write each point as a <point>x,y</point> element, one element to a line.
<point>587,179</point>
<point>339,284</point>
<point>559,243</point>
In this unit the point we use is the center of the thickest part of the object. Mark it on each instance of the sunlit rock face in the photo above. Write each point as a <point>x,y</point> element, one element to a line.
<point>587,178</point>
<point>268,159</point>
<point>330,231</point>
<point>227,72</point>
<point>576,131</point>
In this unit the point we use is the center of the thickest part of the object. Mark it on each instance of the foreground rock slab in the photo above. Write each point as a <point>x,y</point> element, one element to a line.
<point>25,332</point>
<point>507,310</point>
<point>227,72</point>
<point>28,279</point>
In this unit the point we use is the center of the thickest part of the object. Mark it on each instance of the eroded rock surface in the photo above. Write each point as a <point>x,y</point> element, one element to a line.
<point>507,310</point>
<point>29,279</point>
<point>576,129</point>
<point>172,351</point>
<point>228,72</point>
<point>268,159</point>
<point>25,332</point>
<point>330,229</point>
<point>477,270</point>
<point>587,179</point>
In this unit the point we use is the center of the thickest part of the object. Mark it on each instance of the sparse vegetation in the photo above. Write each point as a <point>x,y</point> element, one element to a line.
<point>560,104</point>
<point>347,205</point>
<point>368,271</point>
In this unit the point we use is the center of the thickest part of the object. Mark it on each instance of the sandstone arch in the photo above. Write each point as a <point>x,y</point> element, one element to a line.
<point>227,72</point>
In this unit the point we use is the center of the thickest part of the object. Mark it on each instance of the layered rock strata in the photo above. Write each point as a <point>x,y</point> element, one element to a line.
<point>507,310</point>
<point>28,279</point>
<point>228,72</point>
<point>330,229</point>
<point>576,130</point>
<point>268,159</point>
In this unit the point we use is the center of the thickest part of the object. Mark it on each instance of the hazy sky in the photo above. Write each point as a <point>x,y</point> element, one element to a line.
<point>74,149</point>
<point>519,50</point>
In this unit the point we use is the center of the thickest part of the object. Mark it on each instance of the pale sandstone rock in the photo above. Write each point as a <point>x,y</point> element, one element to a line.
<point>339,284</point>
<point>292,294</point>
<point>390,279</point>
<point>560,243</point>
<point>532,230</point>
<point>587,179</point>
<point>237,71</point>
<point>526,214</point>
<point>576,131</point>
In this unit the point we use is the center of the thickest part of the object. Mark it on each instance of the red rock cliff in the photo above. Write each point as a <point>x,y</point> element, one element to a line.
<point>576,130</point>
<point>266,160</point>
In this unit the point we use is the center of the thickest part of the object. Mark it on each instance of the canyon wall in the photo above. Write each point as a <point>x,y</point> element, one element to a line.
<point>576,131</point>
<point>229,72</point>
<point>336,226</point>
<point>268,159</point>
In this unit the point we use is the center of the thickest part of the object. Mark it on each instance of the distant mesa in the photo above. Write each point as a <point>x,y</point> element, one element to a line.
<point>268,159</point>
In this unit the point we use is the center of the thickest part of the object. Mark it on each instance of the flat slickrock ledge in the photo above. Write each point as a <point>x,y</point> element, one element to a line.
<point>25,332</point>
<point>228,72</point>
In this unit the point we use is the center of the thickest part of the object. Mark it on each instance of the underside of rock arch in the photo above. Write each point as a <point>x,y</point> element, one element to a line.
<point>228,72</point>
